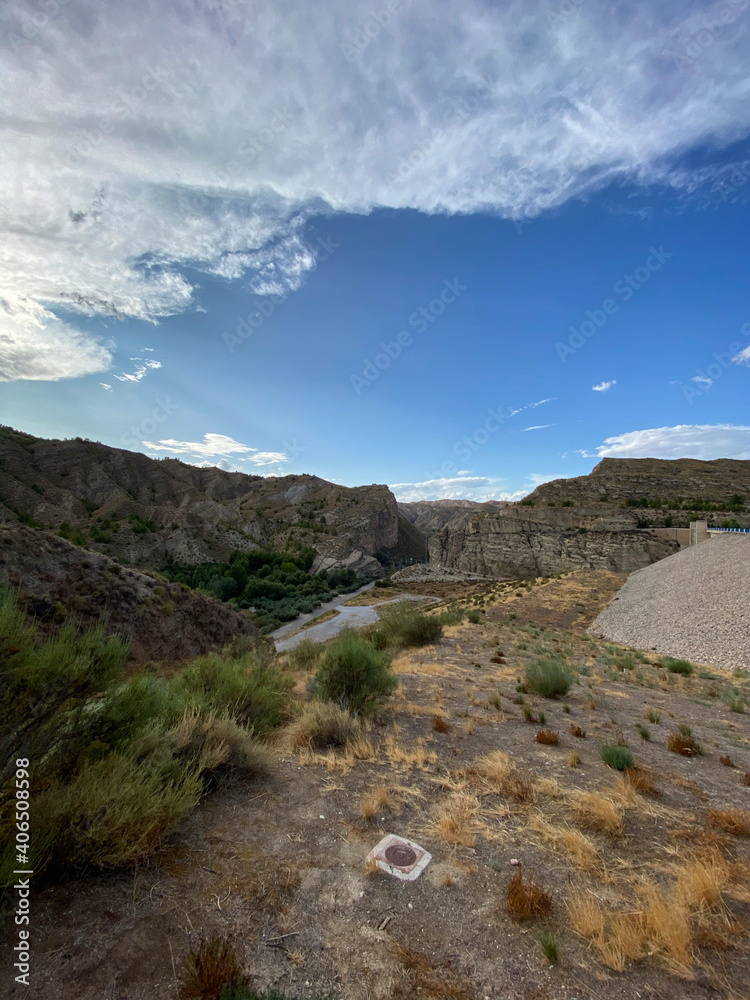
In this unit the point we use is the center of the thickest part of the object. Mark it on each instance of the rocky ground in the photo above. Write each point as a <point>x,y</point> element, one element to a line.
<point>647,878</point>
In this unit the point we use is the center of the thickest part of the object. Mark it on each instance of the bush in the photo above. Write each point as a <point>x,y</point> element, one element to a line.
<point>617,757</point>
<point>323,725</point>
<point>402,625</point>
<point>305,654</point>
<point>255,691</point>
<point>549,676</point>
<point>684,667</point>
<point>474,617</point>
<point>354,675</point>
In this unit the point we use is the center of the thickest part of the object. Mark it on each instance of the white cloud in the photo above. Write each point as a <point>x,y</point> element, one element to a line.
<point>144,137</point>
<point>604,386</point>
<point>479,488</point>
<point>140,371</point>
<point>743,358</point>
<point>214,447</point>
<point>538,427</point>
<point>458,488</point>
<point>105,386</point>
<point>703,441</point>
<point>702,380</point>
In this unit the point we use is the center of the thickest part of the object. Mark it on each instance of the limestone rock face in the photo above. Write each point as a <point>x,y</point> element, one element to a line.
<point>521,542</point>
<point>164,621</point>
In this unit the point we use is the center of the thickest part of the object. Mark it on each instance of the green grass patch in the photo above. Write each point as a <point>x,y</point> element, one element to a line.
<point>616,756</point>
<point>549,676</point>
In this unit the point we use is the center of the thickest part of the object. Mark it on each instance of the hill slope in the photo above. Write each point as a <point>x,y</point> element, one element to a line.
<point>164,621</point>
<point>148,512</point>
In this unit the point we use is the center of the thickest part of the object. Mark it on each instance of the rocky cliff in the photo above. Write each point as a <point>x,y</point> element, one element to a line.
<point>522,542</point>
<point>146,511</point>
<point>676,481</point>
<point>164,621</point>
<point>430,516</point>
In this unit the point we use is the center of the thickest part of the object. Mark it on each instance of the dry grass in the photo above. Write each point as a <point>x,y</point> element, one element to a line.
<point>439,724</point>
<point>374,802</point>
<point>322,725</point>
<point>457,820</point>
<point>573,759</point>
<point>684,745</point>
<point>401,755</point>
<point>424,978</point>
<point>497,774</point>
<point>210,968</point>
<point>526,900</point>
<point>580,848</point>
<point>734,821</point>
<point>578,732</point>
<point>547,737</point>
<point>640,780</point>
<point>597,812</point>
<point>726,761</point>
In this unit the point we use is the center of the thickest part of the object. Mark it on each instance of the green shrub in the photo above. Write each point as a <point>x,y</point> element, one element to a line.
<point>305,654</point>
<point>354,674</point>
<point>322,725</point>
<point>549,676</point>
<point>403,625</point>
<point>616,756</point>
<point>254,691</point>
<point>684,667</point>
<point>734,701</point>
<point>474,617</point>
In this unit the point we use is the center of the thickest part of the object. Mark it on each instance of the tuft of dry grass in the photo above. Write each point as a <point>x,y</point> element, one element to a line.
<point>322,725</point>
<point>578,732</point>
<point>457,820</point>
<point>640,780</point>
<point>427,979</point>
<point>581,849</point>
<point>526,900</point>
<point>547,737</point>
<point>683,744</point>
<point>597,812</point>
<point>497,773</point>
<point>746,778</point>
<point>439,724</point>
<point>734,821</point>
<point>210,969</point>
<point>402,756</point>
<point>726,760</point>
<point>374,802</point>
<point>573,759</point>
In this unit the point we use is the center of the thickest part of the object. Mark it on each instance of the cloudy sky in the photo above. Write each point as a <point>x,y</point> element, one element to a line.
<point>459,248</point>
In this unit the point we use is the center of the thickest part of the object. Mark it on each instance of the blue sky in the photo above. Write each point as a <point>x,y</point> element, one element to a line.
<point>460,254</point>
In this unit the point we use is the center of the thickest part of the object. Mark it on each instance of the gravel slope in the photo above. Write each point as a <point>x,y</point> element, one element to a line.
<point>694,604</point>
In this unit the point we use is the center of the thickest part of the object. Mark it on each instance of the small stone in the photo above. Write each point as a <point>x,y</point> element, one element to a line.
<point>515,861</point>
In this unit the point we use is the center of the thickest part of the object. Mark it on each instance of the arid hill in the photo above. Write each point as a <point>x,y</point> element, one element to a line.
<point>680,481</point>
<point>163,621</point>
<point>432,515</point>
<point>146,511</point>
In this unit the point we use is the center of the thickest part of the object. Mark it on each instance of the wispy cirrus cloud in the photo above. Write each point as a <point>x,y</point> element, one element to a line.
<point>603,386</point>
<point>142,141</point>
<point>538,427</point>
<point>214,448</point>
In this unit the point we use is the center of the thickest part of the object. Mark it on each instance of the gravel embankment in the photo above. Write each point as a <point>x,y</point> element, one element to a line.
<point>694,604</point>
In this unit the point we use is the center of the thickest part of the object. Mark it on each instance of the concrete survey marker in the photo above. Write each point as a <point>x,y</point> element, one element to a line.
<point>400,857</point>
